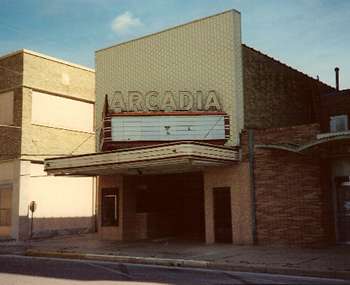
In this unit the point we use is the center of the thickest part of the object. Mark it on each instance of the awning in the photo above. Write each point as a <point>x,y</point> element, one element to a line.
<point>327,144</point>
<point>165,158</point>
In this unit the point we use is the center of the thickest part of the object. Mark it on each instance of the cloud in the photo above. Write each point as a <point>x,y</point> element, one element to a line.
<point>124,23</point>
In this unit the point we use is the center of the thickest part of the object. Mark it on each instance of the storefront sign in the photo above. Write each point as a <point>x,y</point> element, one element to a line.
<point>137,101</point>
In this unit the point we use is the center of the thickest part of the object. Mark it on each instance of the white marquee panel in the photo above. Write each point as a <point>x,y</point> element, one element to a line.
<point>168,128</point>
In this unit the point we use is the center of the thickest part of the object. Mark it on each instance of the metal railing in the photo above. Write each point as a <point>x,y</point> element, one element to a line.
<point>5,217</point>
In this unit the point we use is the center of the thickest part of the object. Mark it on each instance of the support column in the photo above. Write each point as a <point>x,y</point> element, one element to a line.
<point>208,210</point>
<point>237,179</point>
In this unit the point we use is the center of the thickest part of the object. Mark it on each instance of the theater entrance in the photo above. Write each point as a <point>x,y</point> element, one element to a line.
<point>164,206</point>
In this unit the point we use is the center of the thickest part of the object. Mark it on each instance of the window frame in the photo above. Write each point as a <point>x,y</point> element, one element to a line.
<point>333,120</point>
<point>109,193</point>
<point>10,120</point>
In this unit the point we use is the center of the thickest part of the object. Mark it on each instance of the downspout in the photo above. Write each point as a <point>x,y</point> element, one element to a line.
<point>252,182</point>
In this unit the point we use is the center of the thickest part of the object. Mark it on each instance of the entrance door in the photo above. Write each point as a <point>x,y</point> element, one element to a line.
<point>5,211</point>
<point>222,215</point>
<point>343,205</point>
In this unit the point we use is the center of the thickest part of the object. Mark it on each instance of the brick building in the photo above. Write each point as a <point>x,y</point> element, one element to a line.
<point>46,110</point>
<point>202,137</point>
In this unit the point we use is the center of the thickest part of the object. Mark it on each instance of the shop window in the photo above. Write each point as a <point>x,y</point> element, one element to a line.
<point>109,211</point>
<point>338,123</point>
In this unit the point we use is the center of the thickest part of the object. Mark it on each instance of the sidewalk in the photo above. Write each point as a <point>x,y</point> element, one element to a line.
<point>331,262</point>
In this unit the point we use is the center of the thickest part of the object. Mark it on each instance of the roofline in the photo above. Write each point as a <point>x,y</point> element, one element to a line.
<point>343,92</point>
<point>288,66</point>
<point>168,29</point>
<point>51,58</point>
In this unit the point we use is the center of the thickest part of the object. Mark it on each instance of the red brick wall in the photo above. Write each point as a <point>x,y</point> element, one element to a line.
<point>293,194</point>
<point>276,95</point>
<point>332,105</point>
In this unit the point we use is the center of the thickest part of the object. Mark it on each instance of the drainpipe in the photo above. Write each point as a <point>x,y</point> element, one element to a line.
<point>252,181</point>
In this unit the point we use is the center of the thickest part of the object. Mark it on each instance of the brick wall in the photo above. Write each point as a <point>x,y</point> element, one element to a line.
<point>11,69</point>
<point>276,95</point>
<point>332,105</point>
<point>10,137</point>
<point>293,191</point>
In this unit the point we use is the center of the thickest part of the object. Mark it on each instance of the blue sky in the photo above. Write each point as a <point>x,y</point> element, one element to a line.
<point>310,35</point>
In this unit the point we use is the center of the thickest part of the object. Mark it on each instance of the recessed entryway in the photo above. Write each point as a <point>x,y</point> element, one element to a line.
<point>164,206</point>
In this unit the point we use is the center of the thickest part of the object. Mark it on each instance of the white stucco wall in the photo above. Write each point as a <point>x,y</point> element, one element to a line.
<point>55,196</point>
<point>60,112</point>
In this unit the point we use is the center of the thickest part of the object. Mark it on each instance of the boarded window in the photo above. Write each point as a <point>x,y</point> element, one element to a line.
<point>6,108</point>
<point>59,112</point>
<point>5,206</point>
<point>109,211</point>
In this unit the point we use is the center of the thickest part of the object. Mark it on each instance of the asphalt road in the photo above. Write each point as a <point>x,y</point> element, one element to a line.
<point>21,270</point>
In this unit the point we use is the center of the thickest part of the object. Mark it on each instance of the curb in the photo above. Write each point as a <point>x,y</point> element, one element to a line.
<point>189,264</point>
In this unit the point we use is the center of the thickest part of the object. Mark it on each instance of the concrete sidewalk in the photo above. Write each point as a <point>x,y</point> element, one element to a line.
<point>331,262</point>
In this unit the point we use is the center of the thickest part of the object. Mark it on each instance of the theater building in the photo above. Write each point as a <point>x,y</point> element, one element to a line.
<point>202,137</point>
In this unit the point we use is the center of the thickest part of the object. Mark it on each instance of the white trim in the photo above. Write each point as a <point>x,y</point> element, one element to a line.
<point>333,134</point>
<point>175,154</point>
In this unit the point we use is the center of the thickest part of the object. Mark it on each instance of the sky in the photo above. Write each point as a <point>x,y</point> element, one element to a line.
<point>312,36</point>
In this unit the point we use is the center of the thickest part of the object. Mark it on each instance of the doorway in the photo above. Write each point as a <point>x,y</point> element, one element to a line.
<point>343,212</point>
<point>222,215</point>
<point>165,206</point>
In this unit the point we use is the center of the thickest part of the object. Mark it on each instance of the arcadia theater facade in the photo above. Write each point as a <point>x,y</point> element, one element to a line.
<point>176,113</point>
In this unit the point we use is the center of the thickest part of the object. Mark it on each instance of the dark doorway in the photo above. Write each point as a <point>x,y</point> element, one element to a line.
<point>109,216</point>
<point>167,206</point>
<point>222,215</point>
<point>343,212</point>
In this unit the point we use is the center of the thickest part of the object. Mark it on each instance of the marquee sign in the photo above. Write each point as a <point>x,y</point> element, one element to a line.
<point>137,101</point>
<point>153,116</point>
<point>168,128</point>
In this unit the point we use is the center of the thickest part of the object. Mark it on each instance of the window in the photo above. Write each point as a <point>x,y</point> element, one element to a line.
<point>59,112</point>
<point>5,206</point>
<point>109,210</point>
<point>6,108</point>
<point>338,123</point>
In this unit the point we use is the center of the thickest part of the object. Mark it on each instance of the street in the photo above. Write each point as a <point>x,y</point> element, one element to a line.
<point>28,270</point>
